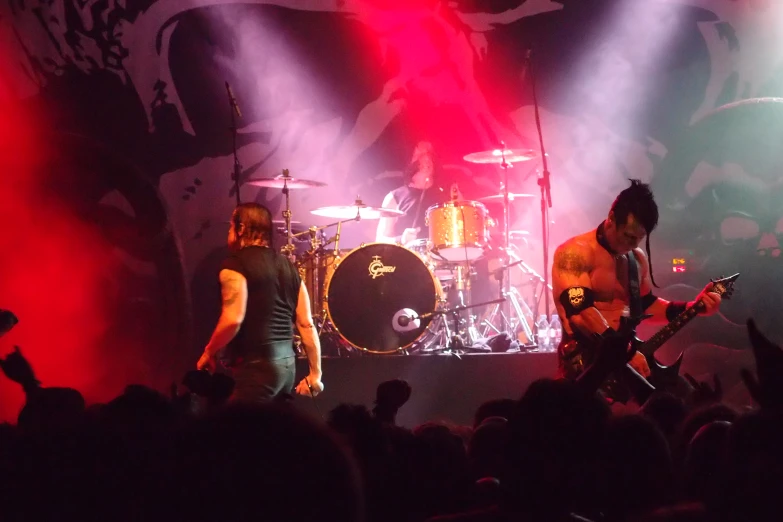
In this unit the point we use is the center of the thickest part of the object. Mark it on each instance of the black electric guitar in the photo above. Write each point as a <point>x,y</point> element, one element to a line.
<point>665,376</point>
<point>574,355</point>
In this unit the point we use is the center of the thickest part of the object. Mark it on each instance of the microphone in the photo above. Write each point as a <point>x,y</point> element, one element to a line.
<point>404,320</point>
<point>232,101</point>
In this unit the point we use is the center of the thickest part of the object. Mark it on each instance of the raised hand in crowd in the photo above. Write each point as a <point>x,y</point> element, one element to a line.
<point>766,387</point>
<point>18,369</point>
<point>703,394</point>
<point>7,321</point>
<point>206,362</point>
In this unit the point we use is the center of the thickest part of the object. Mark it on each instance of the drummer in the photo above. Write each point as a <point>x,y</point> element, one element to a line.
<point>421,190</point>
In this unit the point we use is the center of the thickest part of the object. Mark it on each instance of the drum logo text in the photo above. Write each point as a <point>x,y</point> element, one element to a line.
<point>377,269</point>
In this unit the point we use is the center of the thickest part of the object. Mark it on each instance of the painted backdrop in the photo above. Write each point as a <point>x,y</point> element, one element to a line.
<point>117,155</point>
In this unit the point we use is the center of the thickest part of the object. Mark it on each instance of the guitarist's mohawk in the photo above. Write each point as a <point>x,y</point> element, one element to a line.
<point>638,200</point>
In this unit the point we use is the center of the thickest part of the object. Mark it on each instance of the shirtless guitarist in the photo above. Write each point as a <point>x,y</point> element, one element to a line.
<point>592,281</point>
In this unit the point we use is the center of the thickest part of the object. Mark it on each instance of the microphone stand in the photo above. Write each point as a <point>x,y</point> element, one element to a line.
<point>237,166</point>
<point>543,183</point>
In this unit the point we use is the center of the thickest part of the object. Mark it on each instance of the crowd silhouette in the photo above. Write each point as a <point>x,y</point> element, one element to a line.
<point>557,452</point>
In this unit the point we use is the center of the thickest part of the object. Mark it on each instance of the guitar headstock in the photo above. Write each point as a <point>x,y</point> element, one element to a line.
<point>724,286</point>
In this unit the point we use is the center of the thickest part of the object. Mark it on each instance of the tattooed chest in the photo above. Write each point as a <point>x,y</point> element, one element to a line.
<point>609,285</point>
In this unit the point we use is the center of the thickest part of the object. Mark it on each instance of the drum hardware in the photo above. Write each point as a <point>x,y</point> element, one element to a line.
<point>286,183</point>
<point>505,158</point>
<point>317,259</point>
<point>455,344</point>
<point>462,286</point>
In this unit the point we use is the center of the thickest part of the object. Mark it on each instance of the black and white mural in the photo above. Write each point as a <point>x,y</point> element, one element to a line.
<point>123,117</point>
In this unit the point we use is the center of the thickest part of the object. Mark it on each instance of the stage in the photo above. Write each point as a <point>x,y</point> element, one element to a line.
<point>445,387</point>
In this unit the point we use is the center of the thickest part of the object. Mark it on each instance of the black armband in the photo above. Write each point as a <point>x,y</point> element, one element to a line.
<point>674,309</point>
<point>648,300</point>
<point>576,299</point>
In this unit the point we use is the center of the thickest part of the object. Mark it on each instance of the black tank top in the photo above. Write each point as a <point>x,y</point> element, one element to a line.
<point>415,202</point>
<point>272,294</point>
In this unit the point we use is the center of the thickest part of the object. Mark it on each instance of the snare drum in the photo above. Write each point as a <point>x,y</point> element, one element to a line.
<point>377,294</point>
<point>458,230</point>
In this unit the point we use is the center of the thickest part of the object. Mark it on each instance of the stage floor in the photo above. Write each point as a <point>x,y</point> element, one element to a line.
<point>445,387</point>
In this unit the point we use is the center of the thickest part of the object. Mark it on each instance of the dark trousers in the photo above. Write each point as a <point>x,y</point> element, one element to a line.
<point>264,380</point>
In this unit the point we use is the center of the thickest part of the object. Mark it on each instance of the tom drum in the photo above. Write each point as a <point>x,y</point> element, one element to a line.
<point>459,230</point>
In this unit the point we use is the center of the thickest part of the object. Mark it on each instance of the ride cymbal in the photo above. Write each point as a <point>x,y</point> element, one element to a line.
<point>285,182</point>
<point>498,156</point>
<point>511,197</point>
<point>351,211</point>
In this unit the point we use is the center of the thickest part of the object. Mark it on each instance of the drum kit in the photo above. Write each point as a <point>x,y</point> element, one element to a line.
<point>385,298</point>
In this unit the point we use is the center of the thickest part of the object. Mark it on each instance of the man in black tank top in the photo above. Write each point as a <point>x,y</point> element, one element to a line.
<point>420,192</point>
<point>263,296</point>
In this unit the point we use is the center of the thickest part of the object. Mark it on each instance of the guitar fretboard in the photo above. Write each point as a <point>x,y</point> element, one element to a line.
<point>674,326</point>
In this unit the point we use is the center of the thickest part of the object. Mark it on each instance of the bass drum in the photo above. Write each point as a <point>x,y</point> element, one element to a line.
<point>376,295</point>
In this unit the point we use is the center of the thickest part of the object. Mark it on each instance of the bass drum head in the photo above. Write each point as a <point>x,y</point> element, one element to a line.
<point>372,293</point>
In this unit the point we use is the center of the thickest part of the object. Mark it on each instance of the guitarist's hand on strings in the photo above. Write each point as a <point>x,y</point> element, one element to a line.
<point>710,299</point>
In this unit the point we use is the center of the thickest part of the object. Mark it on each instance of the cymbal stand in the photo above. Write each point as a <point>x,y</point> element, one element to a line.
<point>462,287</point>
<point>288,249</point>
<point>514,307</point>
<point>519,306</point>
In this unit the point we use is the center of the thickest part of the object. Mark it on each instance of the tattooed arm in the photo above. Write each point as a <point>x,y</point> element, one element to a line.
<point>233,287</point>
<point>573,262</point>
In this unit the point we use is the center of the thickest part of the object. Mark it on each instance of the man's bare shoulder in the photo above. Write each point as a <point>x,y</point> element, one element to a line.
<point>575,255</point>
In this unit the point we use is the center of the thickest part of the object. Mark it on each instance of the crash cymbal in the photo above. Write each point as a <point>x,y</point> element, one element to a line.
<point>285,181</point>
<point>511,197</point>
<point>350,211</point>
<point>497,156</point>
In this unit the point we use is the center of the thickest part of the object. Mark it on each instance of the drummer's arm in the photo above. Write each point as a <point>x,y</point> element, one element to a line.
<point>385,231</point>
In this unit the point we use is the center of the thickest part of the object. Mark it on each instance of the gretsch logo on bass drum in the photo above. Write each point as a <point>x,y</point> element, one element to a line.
<point>378,269</point>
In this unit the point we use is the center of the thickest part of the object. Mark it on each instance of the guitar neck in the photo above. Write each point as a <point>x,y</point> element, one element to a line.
<point>668,331</point>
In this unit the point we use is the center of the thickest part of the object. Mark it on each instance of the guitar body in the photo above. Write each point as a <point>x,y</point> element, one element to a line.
<point>574,356</point>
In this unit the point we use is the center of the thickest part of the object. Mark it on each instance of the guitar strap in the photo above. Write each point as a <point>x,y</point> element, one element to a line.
<point>637,385</point>
<point>635,301</point>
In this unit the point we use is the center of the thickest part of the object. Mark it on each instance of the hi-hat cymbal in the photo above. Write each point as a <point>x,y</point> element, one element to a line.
<point>497,156</point>
<point>285,181</point>
<point>350,211</point>
<point>511,197</point>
